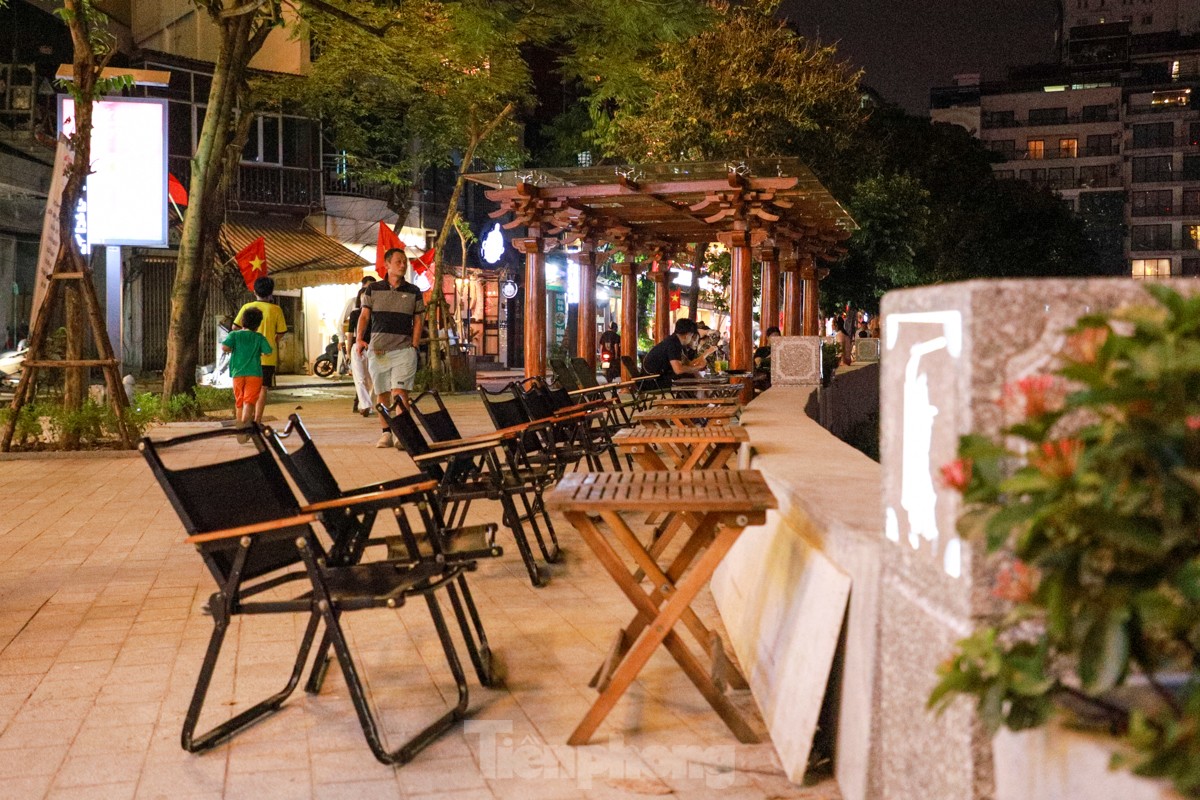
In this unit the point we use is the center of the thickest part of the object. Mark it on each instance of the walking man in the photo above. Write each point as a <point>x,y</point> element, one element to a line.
<point>272,327</point>
<point>391,319</point>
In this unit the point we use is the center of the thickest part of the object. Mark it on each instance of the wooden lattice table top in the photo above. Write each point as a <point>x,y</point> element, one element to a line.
<point>698,491</point>
<point>696,412</point>
<point>691,402</point>
<point>717,434</point>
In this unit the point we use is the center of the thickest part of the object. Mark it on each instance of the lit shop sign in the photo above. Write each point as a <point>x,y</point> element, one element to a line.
<point>81,226</point>
<point>493,245</point>
<point>127,188</point>
<point>508,289</point>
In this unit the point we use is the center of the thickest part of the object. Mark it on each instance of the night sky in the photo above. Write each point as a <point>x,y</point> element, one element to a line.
<point>908,46</point>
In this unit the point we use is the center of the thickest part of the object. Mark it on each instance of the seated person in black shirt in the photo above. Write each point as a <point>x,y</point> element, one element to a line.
<point>762,355</point>
<point>668,359</point>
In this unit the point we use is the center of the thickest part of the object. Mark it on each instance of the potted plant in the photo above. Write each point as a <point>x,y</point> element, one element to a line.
<point>831,356</point>
<point>1092,505</point>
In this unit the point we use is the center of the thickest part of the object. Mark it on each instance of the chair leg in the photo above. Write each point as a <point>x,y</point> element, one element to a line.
<point>358,696</point>
<point>473,633</point>
<point>513,520</point>
<point>206,741</point>
<point>552,554</point>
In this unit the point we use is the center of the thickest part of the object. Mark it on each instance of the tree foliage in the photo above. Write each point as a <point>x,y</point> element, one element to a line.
<point>744,87</point>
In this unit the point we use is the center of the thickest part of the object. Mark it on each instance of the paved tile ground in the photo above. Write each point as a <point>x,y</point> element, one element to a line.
<point>102,633</point>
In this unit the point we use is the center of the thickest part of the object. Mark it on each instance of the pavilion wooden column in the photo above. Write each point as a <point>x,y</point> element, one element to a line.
<point>628,271</point>
<point>793,297</point>
<point>741,306</point>
<point>586,323</point>
<point>662,301</point>
<point>812,300</point>
<point>535,302</point>
<point>768,309</point>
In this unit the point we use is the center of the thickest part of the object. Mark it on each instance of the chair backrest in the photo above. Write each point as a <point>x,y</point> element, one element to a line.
<point>584,373</point>
<point>532,395</point>
<point>228,490</point>
<point>630,364</point>
<point>506,410</point>
<point>304,464</point>
<point>434,418</point>
<point>558,396</point>
<point>402,425</point>
<point>564,373</point>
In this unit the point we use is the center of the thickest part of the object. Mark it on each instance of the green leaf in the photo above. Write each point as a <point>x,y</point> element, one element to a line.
<point>1187,580</point>
<point>1104,655</point>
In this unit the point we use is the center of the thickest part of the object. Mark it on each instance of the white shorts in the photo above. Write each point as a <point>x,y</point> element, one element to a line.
<point>393,369</point>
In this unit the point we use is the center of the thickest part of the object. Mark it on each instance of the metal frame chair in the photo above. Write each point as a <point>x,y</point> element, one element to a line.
<point>470,472</point>
<point>255,537</point>
<point>352,529</point>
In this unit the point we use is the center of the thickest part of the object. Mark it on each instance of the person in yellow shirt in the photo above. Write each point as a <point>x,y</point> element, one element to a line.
<point>273,327</point>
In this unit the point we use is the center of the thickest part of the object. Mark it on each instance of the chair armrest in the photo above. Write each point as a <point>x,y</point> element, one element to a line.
<point>453,452</point>
<point>591,405</point>
<point>608,387</point>
<point>250,530</point>
<point>483,438</point>
<point>369,499</point>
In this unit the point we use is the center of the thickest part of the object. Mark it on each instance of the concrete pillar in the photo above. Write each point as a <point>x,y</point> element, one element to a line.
<point>586,324</point>
<point>768,308</point>
<point>629,345</point>
<point>535,302</point>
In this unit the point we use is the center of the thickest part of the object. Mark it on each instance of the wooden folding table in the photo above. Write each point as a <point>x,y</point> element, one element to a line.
<point>688,416</point>
<point>717,506</point>
<point>656,448</point>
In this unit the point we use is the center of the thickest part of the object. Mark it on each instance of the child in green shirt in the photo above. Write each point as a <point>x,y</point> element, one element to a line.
<point>246,348</point>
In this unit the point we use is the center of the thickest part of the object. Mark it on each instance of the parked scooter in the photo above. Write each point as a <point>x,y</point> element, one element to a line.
<point>333,361</point>
<point>11,365</point>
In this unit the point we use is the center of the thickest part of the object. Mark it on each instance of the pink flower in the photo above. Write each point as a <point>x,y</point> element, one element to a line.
<point>957,474</point>
<point>1015,582</point>
<point>1057,459</point>
<point>1083,347</point>
<point>1035,395</point>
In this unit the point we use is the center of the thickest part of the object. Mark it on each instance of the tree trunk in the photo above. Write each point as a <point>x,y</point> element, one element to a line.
<point>436,312</point>
<point>241,39</point>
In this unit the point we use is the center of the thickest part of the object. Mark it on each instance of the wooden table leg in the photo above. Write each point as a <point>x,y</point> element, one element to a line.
<point>660,632</point>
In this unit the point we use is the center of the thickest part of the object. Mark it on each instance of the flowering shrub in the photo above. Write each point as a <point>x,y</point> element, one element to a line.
<point>1095,495</point>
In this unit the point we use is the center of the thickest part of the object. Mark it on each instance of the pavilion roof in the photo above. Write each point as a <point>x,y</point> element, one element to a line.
<point>778,202</point>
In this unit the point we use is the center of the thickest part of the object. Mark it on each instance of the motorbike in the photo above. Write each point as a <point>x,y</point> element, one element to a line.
<point>334,361</point>
<point>10,365</point>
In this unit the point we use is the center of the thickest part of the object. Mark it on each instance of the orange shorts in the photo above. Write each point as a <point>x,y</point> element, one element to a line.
<point>246,390</point>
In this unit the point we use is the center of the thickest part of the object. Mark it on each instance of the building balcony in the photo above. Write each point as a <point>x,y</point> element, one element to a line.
<point>1179,143</point>
<point>341,176</point>
<point>1051,153</point>
<point>265,187</point>
<point>988,121</point>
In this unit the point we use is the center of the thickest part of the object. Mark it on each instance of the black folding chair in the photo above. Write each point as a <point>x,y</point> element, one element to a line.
<point>242,516</point>
<point>468,473</point>
<point>351,530</point>
<point>551,444</point>
<point>431,412</point>
<point>586,423</point>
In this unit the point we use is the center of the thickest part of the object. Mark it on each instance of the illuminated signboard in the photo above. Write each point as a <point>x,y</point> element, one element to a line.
<point>127,189</point>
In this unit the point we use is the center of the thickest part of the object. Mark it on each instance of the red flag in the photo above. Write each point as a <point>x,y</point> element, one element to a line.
<point>176,192</point>
<point>422,267</point>
<point>386,241</point>
<point>676,299</point>
<point>252,261</point>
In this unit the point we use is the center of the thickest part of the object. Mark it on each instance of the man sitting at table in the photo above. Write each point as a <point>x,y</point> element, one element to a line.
<point>668,359</point>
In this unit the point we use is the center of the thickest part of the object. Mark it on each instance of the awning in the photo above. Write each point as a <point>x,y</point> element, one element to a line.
<point>297,255</point>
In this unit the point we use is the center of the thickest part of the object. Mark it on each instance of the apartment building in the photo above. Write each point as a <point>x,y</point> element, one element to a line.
<point>1114,130</point>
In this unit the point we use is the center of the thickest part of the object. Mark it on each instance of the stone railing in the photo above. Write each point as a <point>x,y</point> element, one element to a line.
<point>857,587</point>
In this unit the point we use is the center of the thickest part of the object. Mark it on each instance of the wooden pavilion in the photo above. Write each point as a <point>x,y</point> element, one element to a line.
<point>773,211</point>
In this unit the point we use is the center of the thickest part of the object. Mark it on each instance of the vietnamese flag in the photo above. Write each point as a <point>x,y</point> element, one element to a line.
<point>386,241</point>
<point>252,261</point>
<point>176,192</point>
<point>422,267</point>
<point>676,299</point>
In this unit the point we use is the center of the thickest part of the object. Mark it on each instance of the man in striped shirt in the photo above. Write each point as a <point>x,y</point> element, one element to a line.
<point>392,311</point>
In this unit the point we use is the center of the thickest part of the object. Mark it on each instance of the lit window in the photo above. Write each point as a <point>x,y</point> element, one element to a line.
<point>1035,149</point>
<point>1151,267</point>
<point>1068,148</point>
